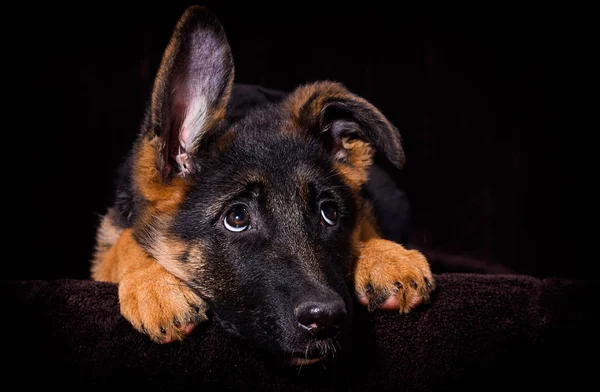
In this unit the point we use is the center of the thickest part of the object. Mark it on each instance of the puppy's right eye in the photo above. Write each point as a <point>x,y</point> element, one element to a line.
<point>329,214</point>
<point>237,219</point>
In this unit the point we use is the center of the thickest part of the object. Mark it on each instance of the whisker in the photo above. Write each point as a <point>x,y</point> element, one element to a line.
<point>285,355</point>
<point>339,346</point>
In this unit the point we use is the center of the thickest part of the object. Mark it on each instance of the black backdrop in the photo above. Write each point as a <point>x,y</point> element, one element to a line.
<point>488,105</point>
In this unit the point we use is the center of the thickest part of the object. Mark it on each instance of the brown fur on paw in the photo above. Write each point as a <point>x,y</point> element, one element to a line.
<point>159,304</point>
<point>390,277</point>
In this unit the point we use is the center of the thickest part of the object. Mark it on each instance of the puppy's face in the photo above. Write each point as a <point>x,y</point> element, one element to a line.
<point>273,222</point>
<point>260,216</point>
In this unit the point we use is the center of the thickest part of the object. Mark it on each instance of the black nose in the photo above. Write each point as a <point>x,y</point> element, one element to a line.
<point>321,319</point>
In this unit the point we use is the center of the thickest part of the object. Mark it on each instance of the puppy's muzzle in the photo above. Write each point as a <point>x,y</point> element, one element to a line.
<point>322,320</point>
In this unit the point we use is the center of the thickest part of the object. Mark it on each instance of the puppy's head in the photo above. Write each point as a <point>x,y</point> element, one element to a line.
<point>260,216</point>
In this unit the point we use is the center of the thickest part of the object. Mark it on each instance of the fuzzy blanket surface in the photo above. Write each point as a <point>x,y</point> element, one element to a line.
<point>480,331</point>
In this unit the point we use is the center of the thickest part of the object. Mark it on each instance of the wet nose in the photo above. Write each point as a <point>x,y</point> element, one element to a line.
<point>321,319</point>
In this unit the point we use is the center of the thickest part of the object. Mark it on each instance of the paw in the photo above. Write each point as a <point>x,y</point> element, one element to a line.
<point>390,277</point>
<point>160,305</point>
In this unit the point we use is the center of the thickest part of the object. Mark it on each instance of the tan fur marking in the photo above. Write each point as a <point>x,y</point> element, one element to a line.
<point>106,236</point>
<point>384,264</point>
<point>168,253</point>
<point>360,154</point>
<point>124,256</point>
<point>164,196</point>
<point>368,227</point>
<point>360,158</point>
<point>317,93</point>
<point>151,298</point>
<point>159,304</point>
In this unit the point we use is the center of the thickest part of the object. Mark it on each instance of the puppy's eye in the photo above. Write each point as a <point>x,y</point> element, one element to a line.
<point>237,219</point>
<point>329,214</point>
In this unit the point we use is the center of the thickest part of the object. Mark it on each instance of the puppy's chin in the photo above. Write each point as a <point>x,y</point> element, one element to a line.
<point>308,352</point>
<point>315,351</point>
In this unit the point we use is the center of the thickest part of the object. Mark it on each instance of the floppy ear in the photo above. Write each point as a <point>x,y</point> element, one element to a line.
<point>352,128</point>
<point>190,92</point>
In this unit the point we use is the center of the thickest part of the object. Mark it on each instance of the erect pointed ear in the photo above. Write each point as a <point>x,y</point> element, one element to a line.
<point>352,128</point>
<point>191,90</point>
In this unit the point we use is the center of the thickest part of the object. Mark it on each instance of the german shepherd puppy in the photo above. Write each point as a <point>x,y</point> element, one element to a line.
<point>259,218</point>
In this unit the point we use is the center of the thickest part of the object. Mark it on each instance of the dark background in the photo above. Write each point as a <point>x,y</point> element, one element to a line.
<point>490,106</point>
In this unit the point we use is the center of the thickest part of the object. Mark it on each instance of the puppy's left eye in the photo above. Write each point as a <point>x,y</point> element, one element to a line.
<point>237,219</point>
<point>329,214</point>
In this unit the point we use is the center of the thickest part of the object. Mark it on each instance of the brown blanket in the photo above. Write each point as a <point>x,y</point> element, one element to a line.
<point>480,331</point>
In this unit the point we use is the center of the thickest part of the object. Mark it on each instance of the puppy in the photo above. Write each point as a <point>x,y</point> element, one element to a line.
<point>258,216</point>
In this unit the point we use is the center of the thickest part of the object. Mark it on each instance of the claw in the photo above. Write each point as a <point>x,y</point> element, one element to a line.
<point>416,302</point>
<point>378,299</point>
<point>188,329</point>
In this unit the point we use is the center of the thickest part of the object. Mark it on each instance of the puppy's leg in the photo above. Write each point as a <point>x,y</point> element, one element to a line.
<point>154,301</point>
<point>389,276</point>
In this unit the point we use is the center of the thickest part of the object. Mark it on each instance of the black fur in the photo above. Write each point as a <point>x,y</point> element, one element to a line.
<point>285,258</point>
<point>256,280</point>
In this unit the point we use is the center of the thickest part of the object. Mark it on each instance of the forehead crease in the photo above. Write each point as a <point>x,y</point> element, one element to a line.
<point>237,186</point>
<point>305,175</point>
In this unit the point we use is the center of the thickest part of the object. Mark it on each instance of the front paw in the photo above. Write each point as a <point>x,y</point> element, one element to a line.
<point>390,277</point>
<point>160,305</point>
